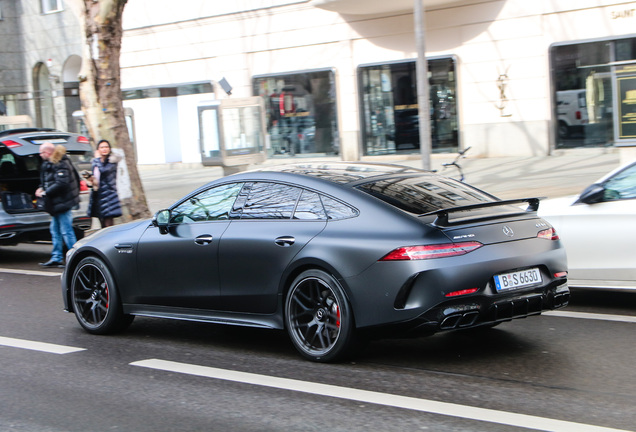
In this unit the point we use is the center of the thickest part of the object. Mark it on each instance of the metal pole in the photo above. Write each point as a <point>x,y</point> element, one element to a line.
<point>422,85</point>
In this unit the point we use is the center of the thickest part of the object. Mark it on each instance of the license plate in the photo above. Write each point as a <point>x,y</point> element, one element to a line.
<point>517,279</point>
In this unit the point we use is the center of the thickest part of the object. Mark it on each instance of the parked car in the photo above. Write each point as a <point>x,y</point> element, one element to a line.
<point>329,252</point>
<point>572,112</point>
<point>597,228</point>
<point>20,219</point>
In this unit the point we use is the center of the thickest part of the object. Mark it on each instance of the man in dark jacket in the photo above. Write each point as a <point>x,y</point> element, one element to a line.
<point>59,186</point>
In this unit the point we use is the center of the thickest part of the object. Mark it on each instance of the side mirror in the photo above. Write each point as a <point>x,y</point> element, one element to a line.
<point>161,219</point>
<point>592,194</point>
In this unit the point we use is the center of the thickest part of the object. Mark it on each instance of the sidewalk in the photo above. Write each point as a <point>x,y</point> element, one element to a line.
<point>538,176</point>
<point>565,173</point>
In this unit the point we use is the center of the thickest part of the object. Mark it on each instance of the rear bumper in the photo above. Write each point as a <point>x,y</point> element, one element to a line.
<point>431,291</point>
<point>487,310</point>
<point>14,234</point>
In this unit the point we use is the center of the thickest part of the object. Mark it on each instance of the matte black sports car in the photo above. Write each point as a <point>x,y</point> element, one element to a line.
<point>327,252</point>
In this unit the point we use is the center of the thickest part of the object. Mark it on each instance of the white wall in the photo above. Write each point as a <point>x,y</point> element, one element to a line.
<point>171,129</point>
<point>189,130</point>
<point>148,130</point>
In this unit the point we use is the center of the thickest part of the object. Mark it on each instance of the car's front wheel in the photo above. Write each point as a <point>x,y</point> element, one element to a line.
<point>95,298</point>
<point>318,317</point>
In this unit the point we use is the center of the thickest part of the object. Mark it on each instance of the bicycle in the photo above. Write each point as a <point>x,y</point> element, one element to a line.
<point>454,163</point>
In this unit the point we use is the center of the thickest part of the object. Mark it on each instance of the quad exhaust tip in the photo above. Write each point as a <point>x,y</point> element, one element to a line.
<point>459,320</point>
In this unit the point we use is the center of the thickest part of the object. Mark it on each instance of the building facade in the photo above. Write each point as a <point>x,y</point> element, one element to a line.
<point>505,77</point>
<point>40,59</point>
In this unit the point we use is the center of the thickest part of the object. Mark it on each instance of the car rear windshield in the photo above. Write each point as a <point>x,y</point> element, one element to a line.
<point>424,194</point>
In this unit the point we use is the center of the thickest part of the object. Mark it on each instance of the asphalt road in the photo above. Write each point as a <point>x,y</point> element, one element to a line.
<point>570,371</point>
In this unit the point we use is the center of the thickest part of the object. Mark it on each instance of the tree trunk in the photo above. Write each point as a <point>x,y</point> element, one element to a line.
<point>100,89</point>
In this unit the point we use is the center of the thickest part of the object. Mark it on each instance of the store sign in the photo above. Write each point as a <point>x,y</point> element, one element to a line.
<point>622,13</point>
<point>627,107</point>
<point>622,18</point>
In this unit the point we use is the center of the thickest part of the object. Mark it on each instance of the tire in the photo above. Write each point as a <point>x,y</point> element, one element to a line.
<point>318,317</point>
<point>95,298</point>
<point>79,234</point>
<point>563,130</point>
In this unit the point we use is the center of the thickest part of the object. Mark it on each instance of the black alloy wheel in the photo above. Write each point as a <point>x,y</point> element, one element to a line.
<point>318,317</point>
<point>95,298</point>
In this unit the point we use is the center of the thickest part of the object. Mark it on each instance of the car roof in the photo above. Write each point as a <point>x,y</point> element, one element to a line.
<point>345,173</point>
<point>27,141</point>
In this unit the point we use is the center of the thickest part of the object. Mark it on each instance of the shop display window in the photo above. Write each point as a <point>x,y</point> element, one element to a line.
<point>594,93</point>
<point>389,114</point>
<point>300,113</point>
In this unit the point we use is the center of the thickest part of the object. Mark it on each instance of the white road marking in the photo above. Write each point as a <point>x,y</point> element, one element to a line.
<point>423,405</point>
<point>30,272</point>
<point>38,346</point>
<point>592,316</point>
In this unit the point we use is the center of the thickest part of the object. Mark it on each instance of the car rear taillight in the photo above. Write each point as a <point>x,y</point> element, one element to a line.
<point>431,251</point>
<point>578,115</point>
<point>461,292</point>
<point>82,140</point>
<point>11,143</point>
<point>548,234</point>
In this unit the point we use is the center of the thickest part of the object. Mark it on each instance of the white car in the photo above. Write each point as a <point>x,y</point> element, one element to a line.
<point>598,229</point>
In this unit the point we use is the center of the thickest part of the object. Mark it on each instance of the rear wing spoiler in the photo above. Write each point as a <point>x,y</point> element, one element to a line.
<point>443,215</point>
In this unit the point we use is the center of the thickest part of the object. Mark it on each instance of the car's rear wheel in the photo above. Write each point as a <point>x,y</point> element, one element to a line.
<point>318,317</point>
<point>95,298</point>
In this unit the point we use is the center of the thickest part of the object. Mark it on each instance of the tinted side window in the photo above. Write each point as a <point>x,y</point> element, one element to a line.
<point>7,166</point>
<point>270,201</point>
<point>210,205</point>
<point>310,207</point>
<point>337,210</point>
<point>622,185</point>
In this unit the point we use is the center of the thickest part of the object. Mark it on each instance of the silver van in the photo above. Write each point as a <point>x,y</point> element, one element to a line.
<point>572,112</point>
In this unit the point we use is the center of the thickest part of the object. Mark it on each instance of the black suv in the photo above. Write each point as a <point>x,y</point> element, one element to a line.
<point>20,219</point>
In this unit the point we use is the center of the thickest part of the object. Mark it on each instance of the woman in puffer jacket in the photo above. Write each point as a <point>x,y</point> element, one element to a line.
<point>58,180</point>
<point>104,201</point>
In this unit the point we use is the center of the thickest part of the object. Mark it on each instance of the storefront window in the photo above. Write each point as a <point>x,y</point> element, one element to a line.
<point>155,92</point>
<point>583,85</point>
<point>301,113</point>
<point>389,109</point>
<point>587,78</point>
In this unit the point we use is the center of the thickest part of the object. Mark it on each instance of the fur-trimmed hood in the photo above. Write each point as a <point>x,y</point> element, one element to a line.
<point>57,154</point>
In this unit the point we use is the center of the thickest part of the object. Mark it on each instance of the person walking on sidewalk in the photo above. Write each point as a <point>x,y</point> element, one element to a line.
<point>104,201</point>
<point>59,188</point>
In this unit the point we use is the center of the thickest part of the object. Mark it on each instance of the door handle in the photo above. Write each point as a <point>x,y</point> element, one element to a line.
<point>285,241</point>
<point>203,239</point>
